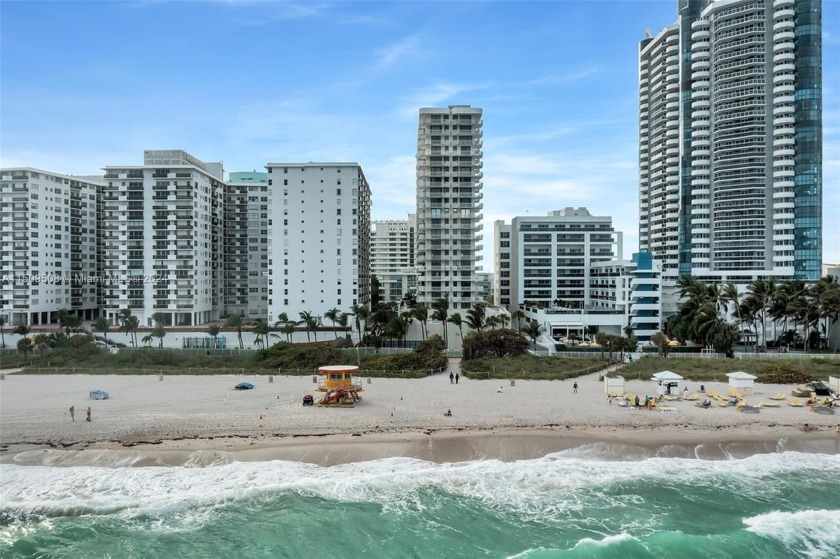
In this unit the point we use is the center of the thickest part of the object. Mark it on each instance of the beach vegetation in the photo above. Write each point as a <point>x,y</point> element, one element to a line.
<point>429,355</point>
<point>284,355</point>
<point>493,343</point>
<point>440,311</point>
<point>766,370</point>
<point>531,367</point>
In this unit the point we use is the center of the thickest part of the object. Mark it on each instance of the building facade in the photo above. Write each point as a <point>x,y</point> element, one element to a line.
<point>392,257</point>
<point>246,245</point>
<point>318,238</point>
<point>49,236</point>
<point>730,141</point>
<point>162,239</point>
<point>449,193</point>
<point>546,260</point>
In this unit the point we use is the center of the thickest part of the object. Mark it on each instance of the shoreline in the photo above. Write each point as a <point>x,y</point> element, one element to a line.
<point>438,446</point>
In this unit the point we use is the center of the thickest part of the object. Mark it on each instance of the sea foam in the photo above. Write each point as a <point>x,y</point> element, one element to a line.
<point>538,488</point>
<point>813,533</point>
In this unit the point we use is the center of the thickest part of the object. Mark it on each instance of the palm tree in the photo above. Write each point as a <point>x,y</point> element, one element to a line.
<point>360,314</point>
<point>503,319</point>
<point>282,319</point>
<point>22,330</point>
<point>762,291</point>
<point>133,323</point>
<point>261,329</point>
<point>475,317</point>
<point>343,320</point>
<point>41,342</point>
<point>518,315</point>
<point>159,331</point>
<point>662,342</point>
<point>333,314</point>
<point>311,323</point>
<point>128,324</point>
<point>288,329</point>
<point>533,331</point>
<point>397,327</point>
<point>440,311</point>
<point>2,333</point>
<point>24,346</point>
<point>730,293</point>
<point>457,321</point>
<point>829,301</point>
<point>493,321</point>
<point>214,330</point>
<point>235,321</point>
<point>147,339</point>
<point>102,324</point>
<point>421,313</point>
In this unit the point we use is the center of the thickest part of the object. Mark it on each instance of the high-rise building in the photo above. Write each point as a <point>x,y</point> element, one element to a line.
<point>246,245</point>
<point>162,239</point>
<point>730,141</point>
<point>318,238</point>
<point>49,235</point>
<point>449,162</point>
<point>392,257</point>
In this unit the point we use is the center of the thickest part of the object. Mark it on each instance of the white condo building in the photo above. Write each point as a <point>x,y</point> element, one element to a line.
<point>48,246</point>
<point>392,256</point>
<point>246,245</point>
<point>162,239</point>
<point>318,238</point>
<point>449,162</point>
<point>730,141</point>
<point>546,260</point>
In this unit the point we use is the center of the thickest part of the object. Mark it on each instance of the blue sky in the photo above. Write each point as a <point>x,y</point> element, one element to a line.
<point>88,84</point>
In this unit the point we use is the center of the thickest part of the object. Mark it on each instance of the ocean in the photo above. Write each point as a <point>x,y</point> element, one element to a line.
<point>596,501</point>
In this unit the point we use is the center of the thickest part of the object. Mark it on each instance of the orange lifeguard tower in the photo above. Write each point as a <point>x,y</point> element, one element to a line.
<point>339,386</point>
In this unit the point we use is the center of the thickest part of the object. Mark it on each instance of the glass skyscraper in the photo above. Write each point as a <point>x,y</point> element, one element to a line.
<point>730,140</point>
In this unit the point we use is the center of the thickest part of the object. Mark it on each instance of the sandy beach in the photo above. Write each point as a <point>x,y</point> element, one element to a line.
<point>183,419</point>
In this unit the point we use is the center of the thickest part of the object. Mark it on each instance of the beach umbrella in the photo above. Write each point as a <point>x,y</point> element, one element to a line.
<point>244,386</point>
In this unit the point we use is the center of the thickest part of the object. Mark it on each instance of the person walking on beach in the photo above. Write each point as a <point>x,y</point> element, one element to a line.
<point>87,418</point>
<point>451,378</point>
<point>457,377</point>
<point>574,388</point>
<point>73,413</point>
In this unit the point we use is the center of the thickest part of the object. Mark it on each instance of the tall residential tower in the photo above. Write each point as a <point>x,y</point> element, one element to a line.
<point>730,141</point>
<point>449,161</point>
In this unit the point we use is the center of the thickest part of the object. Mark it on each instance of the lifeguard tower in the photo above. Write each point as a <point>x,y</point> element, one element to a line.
<point>341,390</point>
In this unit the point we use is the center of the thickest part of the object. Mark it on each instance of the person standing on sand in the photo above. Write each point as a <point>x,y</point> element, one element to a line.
<point>88,414</point>
<point>574,388</point>
<point>457,377</point>
<point>451,378</point>
<point>73,413</point>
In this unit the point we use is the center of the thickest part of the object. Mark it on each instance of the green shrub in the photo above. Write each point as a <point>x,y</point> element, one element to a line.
<point>503,342</point>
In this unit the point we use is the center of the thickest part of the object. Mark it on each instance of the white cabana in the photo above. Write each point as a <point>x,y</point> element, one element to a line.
<point>834,384</point>
<point>743,383</point>
<point>614,385</point>
<point>668,382</point>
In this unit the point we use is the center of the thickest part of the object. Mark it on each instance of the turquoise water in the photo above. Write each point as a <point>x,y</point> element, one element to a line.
<point>586,502</point>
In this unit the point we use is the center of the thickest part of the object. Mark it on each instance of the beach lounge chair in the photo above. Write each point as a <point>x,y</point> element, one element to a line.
<point>779,396</point>
<point>764,404</point>
<point>744,407</point>
<point>734,392</point>
<point>795,402</point>
<point>692,397</point>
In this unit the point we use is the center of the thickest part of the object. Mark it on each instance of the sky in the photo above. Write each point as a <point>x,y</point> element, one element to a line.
<point>89,84</point>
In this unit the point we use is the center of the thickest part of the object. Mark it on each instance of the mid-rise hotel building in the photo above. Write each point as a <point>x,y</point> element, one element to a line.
<point>48,246</point>
<point>449,162</point>
<point>546,260</point>
<point>392,257</point>
<point>730,141</point>
<point>162,239</point>
<point>318,238</point>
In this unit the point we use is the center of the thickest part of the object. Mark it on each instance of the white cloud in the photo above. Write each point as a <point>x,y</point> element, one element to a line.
<point>388,56</point>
